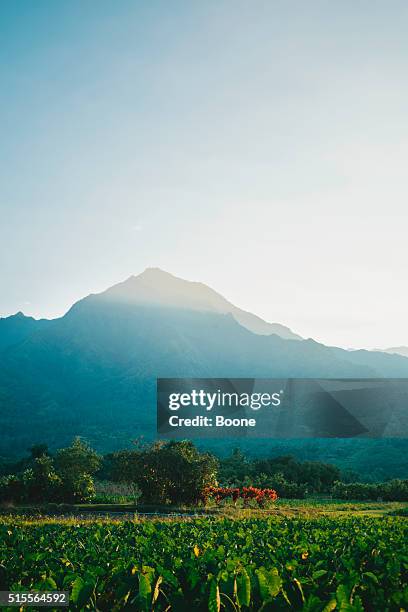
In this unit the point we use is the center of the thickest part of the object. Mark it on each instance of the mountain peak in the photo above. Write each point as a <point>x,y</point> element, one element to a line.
<point>154,271</point>
<point>17,315</point>
<point>157,275</point>
<point>18,327</point>
<point>157,287</point>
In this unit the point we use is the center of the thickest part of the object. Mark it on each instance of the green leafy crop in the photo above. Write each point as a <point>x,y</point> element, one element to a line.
<point>351,564</point>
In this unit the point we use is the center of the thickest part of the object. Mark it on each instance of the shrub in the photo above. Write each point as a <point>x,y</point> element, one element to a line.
<point>247,494</point>
<point>394,490</point>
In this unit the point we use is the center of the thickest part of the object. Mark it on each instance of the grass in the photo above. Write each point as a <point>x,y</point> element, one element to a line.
<point>305,508</point>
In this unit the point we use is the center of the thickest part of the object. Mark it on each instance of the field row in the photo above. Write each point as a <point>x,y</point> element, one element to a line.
<point>352,564</point>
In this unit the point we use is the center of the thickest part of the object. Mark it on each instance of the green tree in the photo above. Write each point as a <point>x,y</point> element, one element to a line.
<point>75,466</point>
<point>166,472</point>
<point>41,482</point>
<point>79,458</point>
<point>123,466</point>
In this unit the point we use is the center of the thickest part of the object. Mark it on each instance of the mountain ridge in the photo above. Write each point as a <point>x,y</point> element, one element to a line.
<point>92,372</point>
<point>155,286</point>
<point>397,350</point>
<point>15,328</point>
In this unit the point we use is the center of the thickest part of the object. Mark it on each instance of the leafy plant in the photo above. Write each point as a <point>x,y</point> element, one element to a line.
<point>351,564</point>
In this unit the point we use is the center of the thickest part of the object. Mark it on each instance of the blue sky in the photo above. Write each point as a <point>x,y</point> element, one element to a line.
<point>258,147</point>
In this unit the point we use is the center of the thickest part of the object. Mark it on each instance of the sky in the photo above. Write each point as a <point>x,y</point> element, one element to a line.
<point>259,147</point>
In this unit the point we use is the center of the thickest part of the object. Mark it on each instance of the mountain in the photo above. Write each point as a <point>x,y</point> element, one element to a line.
<point>398,350</point>
<point>93,371</point>
<point>156,287</point>
<point>17,327</point>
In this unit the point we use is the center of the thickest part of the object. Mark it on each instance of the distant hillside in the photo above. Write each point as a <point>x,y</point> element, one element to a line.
<point>93,371</point>
<point>398,350</point>
<point>18,327</point>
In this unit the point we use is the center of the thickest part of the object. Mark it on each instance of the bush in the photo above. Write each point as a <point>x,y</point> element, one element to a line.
<point>284,489</point>
<point>394,490</point>
<point>248,494</point>
<point>293,477</point>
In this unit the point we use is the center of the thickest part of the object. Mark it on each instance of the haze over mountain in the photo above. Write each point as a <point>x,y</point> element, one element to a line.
<point>93,371</point>
<point>154,286</point>
<point>397,350</point>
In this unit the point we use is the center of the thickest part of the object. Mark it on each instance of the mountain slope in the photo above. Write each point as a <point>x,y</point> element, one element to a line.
<point>93,371</point>
<point>156,287</point>
<point>397,350</point>
<point>18,327</point>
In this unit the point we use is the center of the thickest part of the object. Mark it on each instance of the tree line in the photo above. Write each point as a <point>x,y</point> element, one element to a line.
<point>173,472</point>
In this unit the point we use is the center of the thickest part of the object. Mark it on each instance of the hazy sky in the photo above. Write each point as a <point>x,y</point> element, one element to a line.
<point>260,147</point>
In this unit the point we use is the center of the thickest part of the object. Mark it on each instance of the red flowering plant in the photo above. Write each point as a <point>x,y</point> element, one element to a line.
<point>247,494</point>
<point>261,496</point>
